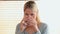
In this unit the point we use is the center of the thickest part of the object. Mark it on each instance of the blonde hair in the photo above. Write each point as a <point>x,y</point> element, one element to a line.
<point>32,5</point>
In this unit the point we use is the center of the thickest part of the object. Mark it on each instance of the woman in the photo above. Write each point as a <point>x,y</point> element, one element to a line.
<point>30,23</point>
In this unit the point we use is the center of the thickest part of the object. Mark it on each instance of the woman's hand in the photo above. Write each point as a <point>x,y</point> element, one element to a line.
<point>32,27</point>
<point>23,25</point>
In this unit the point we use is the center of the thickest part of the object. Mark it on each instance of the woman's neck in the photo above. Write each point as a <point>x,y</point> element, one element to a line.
<point>29,30</point>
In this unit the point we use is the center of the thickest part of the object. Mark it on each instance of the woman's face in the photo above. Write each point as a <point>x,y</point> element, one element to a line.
<point>28,14</point>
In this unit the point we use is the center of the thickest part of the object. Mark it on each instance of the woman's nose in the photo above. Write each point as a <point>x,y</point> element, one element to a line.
<point>29,16</point>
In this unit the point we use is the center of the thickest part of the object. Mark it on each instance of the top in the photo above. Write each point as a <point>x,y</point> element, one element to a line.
<point>43,29</point>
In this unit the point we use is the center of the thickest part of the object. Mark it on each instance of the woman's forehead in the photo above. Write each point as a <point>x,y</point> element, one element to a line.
<point>30,10</point>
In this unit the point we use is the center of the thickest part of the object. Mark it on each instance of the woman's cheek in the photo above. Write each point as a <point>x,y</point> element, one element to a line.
<point>25,16</point>
<point>34,17</point>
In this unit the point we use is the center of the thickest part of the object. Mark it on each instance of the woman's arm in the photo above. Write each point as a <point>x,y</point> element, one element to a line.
<point>44,29</point>
<point>18,29</point>
<point>38,32</point>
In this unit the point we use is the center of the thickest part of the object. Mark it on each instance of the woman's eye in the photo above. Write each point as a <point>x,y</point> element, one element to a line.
<point>26,14</point>
<point>32,14</point>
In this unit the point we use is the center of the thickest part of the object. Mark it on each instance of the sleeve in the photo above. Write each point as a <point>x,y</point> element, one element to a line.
<point>38,32</point>
<point>17,31</point>
<point>45,30</point>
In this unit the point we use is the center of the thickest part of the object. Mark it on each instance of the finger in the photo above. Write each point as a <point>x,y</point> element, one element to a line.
<point>30,23</point>
<point>25,24</point>
<point>33,22</point>
<point>25,19</point>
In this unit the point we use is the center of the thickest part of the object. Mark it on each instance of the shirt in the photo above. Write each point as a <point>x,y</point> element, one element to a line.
<point>43,29</point>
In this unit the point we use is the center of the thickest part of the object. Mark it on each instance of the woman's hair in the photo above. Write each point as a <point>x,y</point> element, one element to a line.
<point>32,5</point>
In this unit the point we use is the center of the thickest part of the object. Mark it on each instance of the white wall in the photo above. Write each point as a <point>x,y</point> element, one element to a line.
<point>50,14</point>
<point>11,13</point>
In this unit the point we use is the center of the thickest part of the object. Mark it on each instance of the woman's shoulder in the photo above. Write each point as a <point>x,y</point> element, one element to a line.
<point>43,25</point>
<point>18,25</point>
